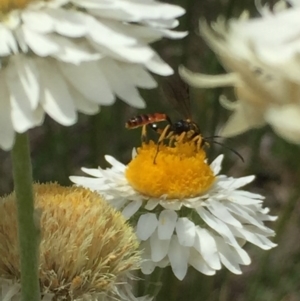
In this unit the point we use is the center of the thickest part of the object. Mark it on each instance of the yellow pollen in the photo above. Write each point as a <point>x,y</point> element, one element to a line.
<point>178,172</point>
<point>9,5</point>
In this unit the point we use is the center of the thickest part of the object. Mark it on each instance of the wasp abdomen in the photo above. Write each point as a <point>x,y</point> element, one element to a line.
<point>145,119</point>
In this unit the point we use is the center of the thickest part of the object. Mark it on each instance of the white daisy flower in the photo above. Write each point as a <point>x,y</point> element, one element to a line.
<point>62,56</point>
<point>185,212</point>
<point>263,68</point>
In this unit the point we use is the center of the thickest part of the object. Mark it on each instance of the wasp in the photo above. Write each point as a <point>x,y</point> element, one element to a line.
<point>183,130</point>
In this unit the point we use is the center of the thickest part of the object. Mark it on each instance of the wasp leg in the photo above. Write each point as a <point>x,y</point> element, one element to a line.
<point>171,138</point>
<point>198,141</point>
<point>144,134</point>
<point>181,137</point>
<point>165,133</point>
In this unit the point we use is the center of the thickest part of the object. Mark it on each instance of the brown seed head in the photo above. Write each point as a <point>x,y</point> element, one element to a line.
<point>86,246</point>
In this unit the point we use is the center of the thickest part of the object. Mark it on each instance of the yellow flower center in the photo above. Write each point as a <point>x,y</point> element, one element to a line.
<point>178,172</point>
<point>9,5</point>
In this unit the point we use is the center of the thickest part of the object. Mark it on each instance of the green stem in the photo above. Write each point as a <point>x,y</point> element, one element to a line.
<point>28,229</point>
<point>154,283</point>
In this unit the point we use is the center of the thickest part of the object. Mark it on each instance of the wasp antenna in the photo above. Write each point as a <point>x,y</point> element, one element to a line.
<point>229,148</point>
<point>213,137</point>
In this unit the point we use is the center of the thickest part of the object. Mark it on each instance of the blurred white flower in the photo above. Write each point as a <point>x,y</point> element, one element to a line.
<point>262,58</point>
<point>185,213</point>
<point>62,56</point>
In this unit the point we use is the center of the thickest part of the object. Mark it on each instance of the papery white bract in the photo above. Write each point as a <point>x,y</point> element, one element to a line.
<point>263,68</point>
<point>205,231</point>
<point>63,57</point>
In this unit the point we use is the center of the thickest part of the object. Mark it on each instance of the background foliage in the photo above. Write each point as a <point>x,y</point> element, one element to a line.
<point>58,152</point>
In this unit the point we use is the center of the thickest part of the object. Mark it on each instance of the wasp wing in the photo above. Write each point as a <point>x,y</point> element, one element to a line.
<point>176,92</point>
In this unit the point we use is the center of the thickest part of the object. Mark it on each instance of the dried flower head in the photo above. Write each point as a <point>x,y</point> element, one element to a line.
<point>86,249</point>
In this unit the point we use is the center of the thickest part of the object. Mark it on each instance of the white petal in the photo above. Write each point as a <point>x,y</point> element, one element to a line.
<point>234,197</point>
<point>68,23</point>
<point>151,204</point>
<point>150,10</point>
<point>263,217</point>
<point>236,183</point>
<point>178,256</point>
<point>119,83</point>
<point>56,99</point>
<point>159,248</point>
<point>8,43</point>
<point>186,231</point>
<point>171,34</point>
<point>174,204</point>
<point>294,3</point>
<point>241,211</point>
<point>131,209</point>
<point>199,80</point>
<point>21,112</point>
<point>205,244</point>
<point>38,21</point>
<point>258,34</point>
<point>217,164</point>
<point>146,226</point>
<point>199,264</point>
<point>221,212</point>
<point>93,184</point>
<point>28,74</point>
<point>158,66</point>
<point>82,104</point>
<point>239,123</point>
<point>166,225</point>
<point>102,33</point>
<point>116,164</point>
<point>227,257</point>
<point>161,24</point>
<point>10,291</point>
<point>289,127</point>
<point>139,53</point>
<point>19,34</point>
<point>239,254</point>
<point>218,226</point>
<point>147,267</point>
<point>95,172</point>
<point>142,33</point>
<point>73,52</point>
<point>249,194</point>
<point>258,240</point>
<point>93,85</point>
<point>163,263</point>
<point>111,12</point>
<point>139,76</point>
<point>40,44</point>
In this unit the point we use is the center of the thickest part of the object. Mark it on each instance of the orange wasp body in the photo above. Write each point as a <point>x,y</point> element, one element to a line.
<point>145,119</point>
